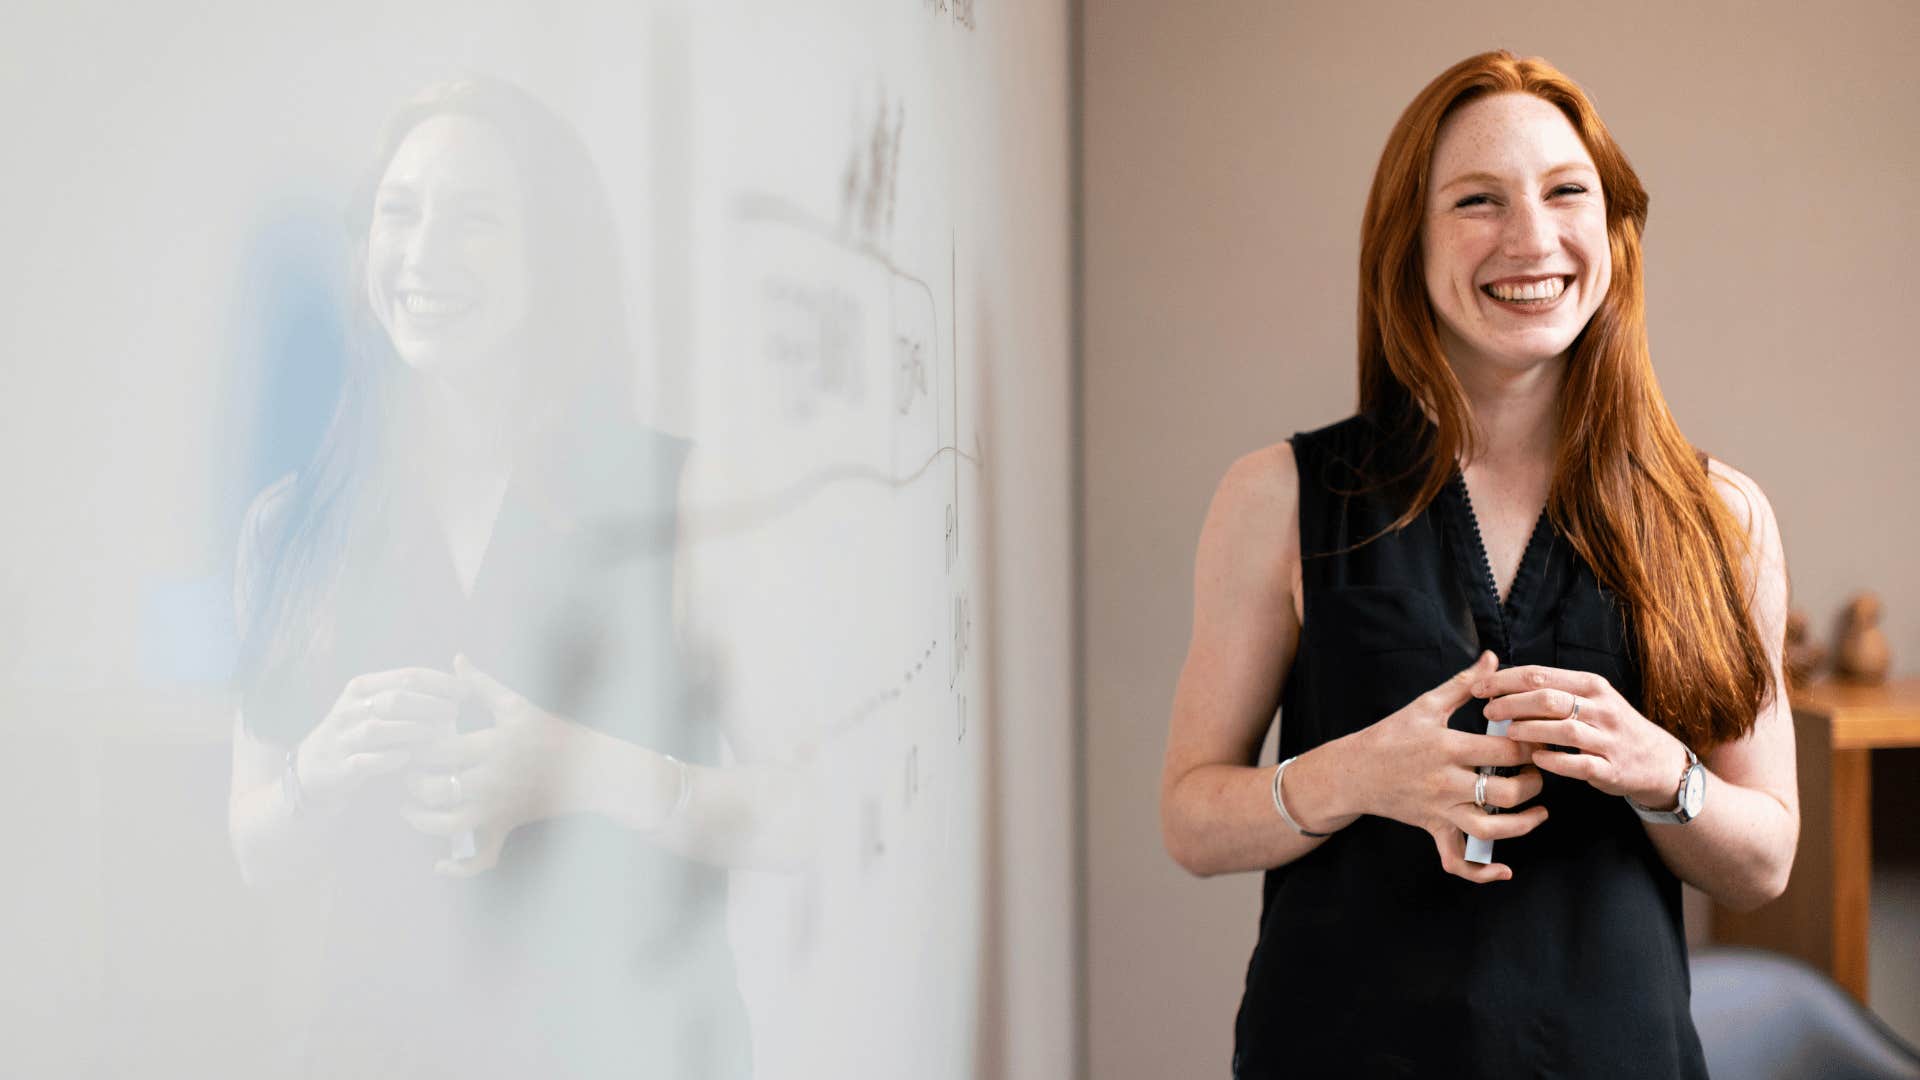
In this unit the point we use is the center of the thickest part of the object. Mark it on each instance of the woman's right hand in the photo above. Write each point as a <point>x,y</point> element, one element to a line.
<point>1423,774</point>
<point>373,728</point>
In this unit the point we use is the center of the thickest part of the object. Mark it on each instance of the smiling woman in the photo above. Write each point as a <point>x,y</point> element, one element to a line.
<point>465,732</point>
<point>1506,605</point>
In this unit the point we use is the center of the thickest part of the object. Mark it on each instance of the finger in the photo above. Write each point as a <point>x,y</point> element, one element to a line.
<point>1471,750</point>
<point>489,689</point>
<point>1516,680</point>
<point>438,790</point>
<point>1511,791</point>
<point>1471,820</point>
<point>463,818</point>
<point>458,752</point>
<point>1549,703</point>
<point>1589,767</point>
<point>1502,791</point>
<point>364,765</point>
<point>1571,733</point>
<point>1452,844</point>
<point>418,679</point>
<point>1458,690</point>
<point>415,707</point>
<point>389,734</point>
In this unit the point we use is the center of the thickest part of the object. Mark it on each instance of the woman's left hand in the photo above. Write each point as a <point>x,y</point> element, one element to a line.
<point>1621,751</point>
<point>491,782</point>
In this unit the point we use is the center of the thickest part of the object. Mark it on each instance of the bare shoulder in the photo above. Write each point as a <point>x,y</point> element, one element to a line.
<point>259,532</point>
<point>1250,544</point>
<point>1742,495</point>
<point>1259,494</point>
<point>1766,557</point>
<point>265,518</point>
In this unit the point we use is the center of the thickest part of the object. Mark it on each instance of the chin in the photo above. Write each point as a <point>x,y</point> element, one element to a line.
<point>419,357</point>
<point>1520,355</point>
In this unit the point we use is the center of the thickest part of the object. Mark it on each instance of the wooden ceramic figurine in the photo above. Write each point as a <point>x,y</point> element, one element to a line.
<point>1861,655</point>
<point>1804,656</point>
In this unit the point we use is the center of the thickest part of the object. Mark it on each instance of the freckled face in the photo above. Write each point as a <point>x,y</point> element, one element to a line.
<point>447,269</point>
<point>1514,239</point>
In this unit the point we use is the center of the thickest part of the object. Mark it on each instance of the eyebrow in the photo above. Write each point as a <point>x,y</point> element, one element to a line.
<point>1489,178</point>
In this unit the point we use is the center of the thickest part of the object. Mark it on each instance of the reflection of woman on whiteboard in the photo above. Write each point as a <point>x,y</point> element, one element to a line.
<point>520,850</point>
<point>1511,531</point>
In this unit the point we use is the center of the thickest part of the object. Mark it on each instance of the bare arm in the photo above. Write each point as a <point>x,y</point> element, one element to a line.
<point>740,815</point>
<point>758,812</point>
<point>1741,848</point>
<point>1216,808</point>
<point>263,827</point>
<point>266,832</point>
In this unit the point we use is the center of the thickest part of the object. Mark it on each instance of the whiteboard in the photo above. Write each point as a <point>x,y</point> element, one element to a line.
<point>842,230</point>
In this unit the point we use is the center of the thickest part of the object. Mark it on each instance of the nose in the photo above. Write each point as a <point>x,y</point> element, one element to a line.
<point>1528,232</point>
<point>429,244</point>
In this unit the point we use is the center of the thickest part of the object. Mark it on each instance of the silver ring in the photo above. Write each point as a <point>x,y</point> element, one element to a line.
<point>1575,714</point>
<point>453,781</point>
<point>1480,791</point>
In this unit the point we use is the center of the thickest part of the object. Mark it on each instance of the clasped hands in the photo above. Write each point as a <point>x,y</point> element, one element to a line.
<point>1432,771</point>
<point>521,768</point>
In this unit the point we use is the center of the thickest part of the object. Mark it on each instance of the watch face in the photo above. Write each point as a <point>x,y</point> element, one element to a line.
<point>1696,791</point>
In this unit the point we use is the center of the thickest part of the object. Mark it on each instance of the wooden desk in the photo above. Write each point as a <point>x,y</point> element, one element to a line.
<point>1822,917</point>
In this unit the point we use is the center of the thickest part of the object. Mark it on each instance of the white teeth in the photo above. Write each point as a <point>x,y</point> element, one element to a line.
<point>431,306</point>
<point>1536,291</point>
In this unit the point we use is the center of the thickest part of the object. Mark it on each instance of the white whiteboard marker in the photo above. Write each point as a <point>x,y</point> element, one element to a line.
<point>1478,850</point>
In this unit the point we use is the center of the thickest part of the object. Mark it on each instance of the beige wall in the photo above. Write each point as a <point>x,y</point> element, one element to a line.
<point>1227,149</point>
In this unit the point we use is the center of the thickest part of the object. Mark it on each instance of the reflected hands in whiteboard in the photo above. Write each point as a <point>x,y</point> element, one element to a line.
<point>1621,752</point>
<point>376,725</point>
<point>491,782</point>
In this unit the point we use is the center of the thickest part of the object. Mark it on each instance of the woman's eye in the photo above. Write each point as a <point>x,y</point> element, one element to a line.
<point>1570,189</point>
<point>1472,200</point>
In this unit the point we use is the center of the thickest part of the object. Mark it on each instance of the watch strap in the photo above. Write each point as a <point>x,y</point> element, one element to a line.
<point>1678,815</point>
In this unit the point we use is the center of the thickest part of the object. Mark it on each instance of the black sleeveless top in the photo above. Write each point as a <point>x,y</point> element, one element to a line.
<point>1372,961</point>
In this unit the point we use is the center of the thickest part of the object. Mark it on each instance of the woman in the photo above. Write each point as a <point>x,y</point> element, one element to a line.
<point>1512,530</point>
<point>463,725</point>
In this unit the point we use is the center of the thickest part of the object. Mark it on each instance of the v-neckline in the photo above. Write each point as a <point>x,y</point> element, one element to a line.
<point>438,538</point>
<point>1501,613</point>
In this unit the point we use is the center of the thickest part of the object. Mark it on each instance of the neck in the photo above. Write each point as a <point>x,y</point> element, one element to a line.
<point>1516,413</point>
<point>471,422</point>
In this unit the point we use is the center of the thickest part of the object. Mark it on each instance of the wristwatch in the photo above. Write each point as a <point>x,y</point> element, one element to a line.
<point>1691,796</point>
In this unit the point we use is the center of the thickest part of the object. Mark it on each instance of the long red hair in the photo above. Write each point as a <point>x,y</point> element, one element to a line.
<point>1629,492</point>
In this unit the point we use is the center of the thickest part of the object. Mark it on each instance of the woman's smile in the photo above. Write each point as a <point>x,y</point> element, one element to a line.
<point>434,309</point>
<point>1529,294</point>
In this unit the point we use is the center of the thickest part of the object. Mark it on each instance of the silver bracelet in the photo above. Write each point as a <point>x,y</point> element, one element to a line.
<point>1282,807</point>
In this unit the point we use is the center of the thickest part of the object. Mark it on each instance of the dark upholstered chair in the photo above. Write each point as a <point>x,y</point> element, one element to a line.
<point>1764,1016</point>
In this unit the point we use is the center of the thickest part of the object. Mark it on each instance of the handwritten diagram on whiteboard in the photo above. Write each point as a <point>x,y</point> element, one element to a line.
<point>836,521</point>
